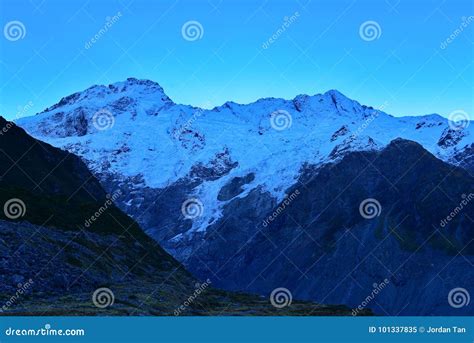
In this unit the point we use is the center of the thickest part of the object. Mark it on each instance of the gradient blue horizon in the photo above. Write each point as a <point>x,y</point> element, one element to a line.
<point>405,71</point>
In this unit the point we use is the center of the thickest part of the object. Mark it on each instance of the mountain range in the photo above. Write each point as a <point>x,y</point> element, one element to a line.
<point>66,249</point>
<point>273,193</point>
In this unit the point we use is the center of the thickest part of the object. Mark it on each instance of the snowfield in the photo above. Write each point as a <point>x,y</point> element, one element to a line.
<point>133,133</point>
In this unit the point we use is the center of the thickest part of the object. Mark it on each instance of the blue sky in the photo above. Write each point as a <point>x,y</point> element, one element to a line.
<point>404,70</point>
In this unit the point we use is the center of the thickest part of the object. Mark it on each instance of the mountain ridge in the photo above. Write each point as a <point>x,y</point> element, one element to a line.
<point>185,172</point>
<point>62,240</point>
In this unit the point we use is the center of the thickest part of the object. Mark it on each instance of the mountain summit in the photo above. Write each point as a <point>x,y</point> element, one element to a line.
<point>63,240</point>
<point>188,174</point>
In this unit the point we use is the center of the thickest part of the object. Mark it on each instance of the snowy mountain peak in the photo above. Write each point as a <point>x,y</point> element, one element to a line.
<point>131,128</point>
<point>100,95</point>
<point>335,94</point>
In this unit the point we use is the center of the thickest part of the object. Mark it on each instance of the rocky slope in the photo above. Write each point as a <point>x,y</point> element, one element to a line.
<point>54,256</point>
<point>323,246</point>
<point>200,181</point>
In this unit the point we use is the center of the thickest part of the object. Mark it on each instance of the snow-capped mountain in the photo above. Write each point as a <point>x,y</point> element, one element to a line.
<point>185,172</point>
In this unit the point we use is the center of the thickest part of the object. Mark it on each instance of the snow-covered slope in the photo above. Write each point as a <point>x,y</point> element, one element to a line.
<point>132,132</point>
<point>203,182</point>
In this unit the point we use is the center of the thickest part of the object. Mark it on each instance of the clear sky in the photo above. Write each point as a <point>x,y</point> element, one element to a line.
<point>408,69</point>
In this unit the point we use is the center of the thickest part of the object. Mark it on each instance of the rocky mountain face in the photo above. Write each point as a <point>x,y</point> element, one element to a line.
<point>66,249</point>
<point>319,244</point>
<point>205,184</point>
